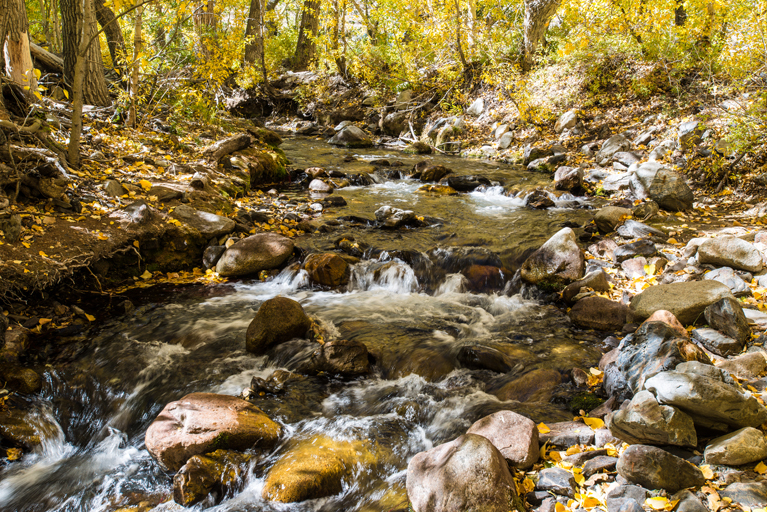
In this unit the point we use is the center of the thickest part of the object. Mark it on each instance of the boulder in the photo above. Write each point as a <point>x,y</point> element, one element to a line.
<point>466,183</point>
<point>211,255</point>
<point>688,502</point>
<point>314,468</point>
<point>539,199</point>
<point>434,173</point>
<point>351,137</point>
<point>477,357</point>
<point>251,255</point>
<point>393,124</point>
<point>750,494</point>
<point>609,217</point>
<point>730,251</point>
<point>717,342</point>
<point>205,422</point>
<point>23,425</point>
<point>639,248</point>
<point>686,300</point>
<point>710,402</point>
<point>611,146</point>
<point>566,121</point>
<point>625,496</point>
<point>218,472</point>
<point>567,433</point>
<point>644,421</point>
<point>208,224</point>
<point>505,140</point>
<point>728,277</point>
<point>743,446</point>
<point>468,473</point>
<point>481,278</point>
<point>328,269</point>
<point>557,481</point>
<point>277,320</point>
<point>669,319</point>
<point>727,316</point>
<point>599,313</point>
<point>654,468</point>
<point>476,108</point>
<point>634,229</point>
<point>568,178</point>
<point>515,436</point>
<point>322,187</point>
<point>534,386</point>
<point>597,464</point>
<point>534,153</point>
<point>634,267</point>
<point>546,164</point>
<point>394,217</point>
<point>349,358</point>
<point>556,263</point>
<point>749,366</point>
<point>670,190</point>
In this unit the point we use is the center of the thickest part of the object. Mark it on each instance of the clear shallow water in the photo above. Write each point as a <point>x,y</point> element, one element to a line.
<point>94,412</point>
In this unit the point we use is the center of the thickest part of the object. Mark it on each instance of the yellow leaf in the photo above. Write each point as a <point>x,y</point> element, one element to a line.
<point>25,244</point>
<point>761,468</point>
<point>41,253</point>
<point>589,502</point>
<point>38,73</point>
<point>136,244</point>
<point>650,269</point>
<point>708,473</point>
<point>559,508</point>
<point>543,429</point>
<point>44,321</point>
<point>146,185</point>
<point>579,479</point>
<point>657,503</point>
<point>573,450</point>
<point>90,318</point>
<point>13,453</point>
<point>671,241</point>
<point>594,423</point>
<point>146,275</point>
<point>102,236</point>
<point>66,94</point>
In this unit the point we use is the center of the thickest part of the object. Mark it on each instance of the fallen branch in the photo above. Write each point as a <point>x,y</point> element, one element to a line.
<point>46,60</point>
<point>220,149</point>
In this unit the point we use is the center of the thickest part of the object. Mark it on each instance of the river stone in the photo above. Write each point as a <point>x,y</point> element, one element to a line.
<point>644,421</point>
<point>218,472</point>
<point>323,187</point>
<point>351,137</point>
<point>568,178</point>
<point>743,446</point>
<point>314,468</point>
<point>515,436</point>
<point>466,183</point>
<point>626,158</point>
<point>277,320</point>
<point>556,263</point>
<point>566,121</point>
<point>479,357</point>
<point>327,269</point>
<point>596,280</point>
<point>654,468</point>
<point>557,481</point>
<point>393,123</point>
<point>669,319</point>
<point>688,502</point>
<point>642,176</point>
<point>208,224</point>
<point>434,173</point>
<point>468,473</point>
<point>114,188</point>
<point>165,192</point>
<point>711,403</point>
<point>670,190</point>
<point>609,217</point>
<point>538,199</point>
<point>211,255</point>
<point>394,217</point>
<point>645,211</point>
<point>728,277</point>
<point>565,434</point>
<point>349,358</point>
<point>686,300</point>
<point>456,259</point>
<point>717,342</point>
<point>623,495</point>
<point>24,426</point>
<point>251,255</point>
<point>750,494</point>
<point>604,249</point>
<point>598,313</point>
<point>482,278</point>
<point>611,146</point>
<point>639,248</point>
<point>204,422</point>
<point>706,370</point>
<point>547,164</point>
<point>505,140</point>
<point>634,229</point>
<point>535,386</point>
<point>634,267</point>
<point>751,365</point>
<point>22,380</point>
<point>690,133</point>
<point>730,251</point>
<point>597,464</point>
<point>727,316</point>
<point>534,153</point>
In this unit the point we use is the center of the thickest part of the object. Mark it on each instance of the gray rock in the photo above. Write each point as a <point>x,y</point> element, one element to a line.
<point>568,178</point>
<point>634,229</point>
<point>599,463</point>
<point>743,446</point>
<point>579,459</point>
<point>114,188</point>
<point>165,193</point>
<point>394,123</point>
<point>609,217</point>
<point>689,134</point>
<point>644,421</point>
<point>556,480</point>
<point>631,506</point>
<point>645,137</point>
<point>623,494</point>
<point>209,225</point>
<point>211,255</point>
<point>394,217</point>
<point>747,366</point>
<point>634,267</point>
<point>709,402</point>
<point>567,433</point>
<point>556,263</point>
<point>505,140</point>
<point>403,99</point>
<point>478,357</point>
<point>646,210</point>
<point>616,182</point>
<point>476,108</point>
<point>351,137</point>
<point>641,177</point>
<point>263,251</point>
<point>468,473</point>
<point>465,183</point>
<point>534,153</point>
<point>705,370</point>
<point>730,251</point>
<point>598,313</point>
<point>596,280</point>
<point>501,131</point>
<point>661,150</point>
<point>515,436</point>
<point>728,277</point>
<point>670,190</point>
<point>318,185</point>
<point>688,502</point>
<point>750,494</point>
<point>686,300</point>
<point>654,468</point>
<point>611,146</point>
<point>546,164</point>
<point>727,316</point>
<point>639,248</point>
<point>717,342</point>
<point>604,249</point>
<point>566,121</point>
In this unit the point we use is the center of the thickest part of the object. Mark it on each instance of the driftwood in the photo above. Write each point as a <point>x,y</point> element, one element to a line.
<point>220,149</point>
<point>46,60</point>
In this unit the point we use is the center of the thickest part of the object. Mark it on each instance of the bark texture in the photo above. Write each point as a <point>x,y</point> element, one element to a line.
<point>94,84</point>
<point>306,47</point>
<point>538,13</point>
<point>14,29</point>
<point>254,33</point>
<point>114,33</point>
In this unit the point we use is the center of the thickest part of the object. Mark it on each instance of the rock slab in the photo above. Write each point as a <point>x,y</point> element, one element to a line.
<point>654,468</point>
<point>515,436</point>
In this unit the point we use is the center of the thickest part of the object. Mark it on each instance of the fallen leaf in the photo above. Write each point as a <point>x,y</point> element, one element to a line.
<point>761,468</point>
<point>13,453</point>
<point>543,429</point>
<point>41,253</point>
<point>90,318</point>
<point>708,473</point>
<point>136,244</point>
<point>146,185</point>
<point>25,244</point>
<point>146,275</point>
<point>558,507</point>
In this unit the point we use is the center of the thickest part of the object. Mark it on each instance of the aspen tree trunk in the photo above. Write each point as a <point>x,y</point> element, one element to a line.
<point>254,34</point>
<point>538,13</point>
<point>135,67</point>
<point>306,47</point>
<point>78,93</point>
<point>15,45</point>
<point>458,34</point>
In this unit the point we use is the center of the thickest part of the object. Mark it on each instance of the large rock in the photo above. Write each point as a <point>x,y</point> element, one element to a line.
<point>728,277</point>
<point>351,137</point>
<point>534,386</point>
<point>727,316</point>
<point>349,358</point>
<point>394,123</point>
<point>218,472</point>
<point>639,248</point>
<point>644,421</point>
<point>599,313</point>
<point>566,121</point>
<point>730,251</point>
<point>327,269</point>
<point>743,446</point>
<point>654,468</point>
<point>641,177</point>
<point>556,263</point>
<point>609,217</point>
<point>565,434</point>
<point>613,145</point>
<point>278,320</point>
<point>434,173</point>
<point>568,178</point>
<point>596,280</point>
<point>394,217</point>
<point>204,422</point>
<point>710,402</point>
<point>686,301</point>
<point>208,224</point>
<point>748,366</point>
<point>717,342</point>
<point>253,254</point>
<point>670,190</point>
<point>465,183</point>
<point>314,468</point>
<point>468,473</point>
<point>750,494</point>
<point>556,481</point>
<point>515,436</point>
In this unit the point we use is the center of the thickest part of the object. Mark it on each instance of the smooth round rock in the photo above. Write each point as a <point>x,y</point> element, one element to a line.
<point>654,468</point>
<point>251,255</point>
<point>277,320</point>
<point>515,436</point>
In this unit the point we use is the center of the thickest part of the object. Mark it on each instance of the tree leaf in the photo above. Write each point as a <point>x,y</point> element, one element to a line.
<point>543,429</point>
<point>146,185</point>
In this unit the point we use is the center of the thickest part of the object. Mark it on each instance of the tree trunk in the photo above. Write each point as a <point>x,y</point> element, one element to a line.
<point>94,84</point>
<point>15,41</point>
<point>78,82</point>
<point>538,13</point>
<point>114,33</point>
<point>254,34</point>
<point>205,24</point>
<point>458,43</point>
<point>135,67</point>
<point>306,47</point>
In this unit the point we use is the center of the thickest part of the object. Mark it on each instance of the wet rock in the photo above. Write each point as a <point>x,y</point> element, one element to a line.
<point>598,313</point>
<point>751,365</point>
<point>442,190</point>
<point>717,342</point>
<point>429,363</point>
<point>216,472</point>
<point>596,280</point>
<point>327,269</point>
<point>556,263</point>
<point>204,422</point>
<point>208,224</point>
<point>394,217</point>
<point>556,480</point>
<point>534,153</point>
<point>568,178</point>
<point>485,358</point>
<point>317,185</point>
<point>351,137</point>
<point>418,148</point>
<point>728,277</point>
<point>467,473</point>
<point>750,494</point>
<point>23,426</point>
<point>251,255</point>
<point>609,217</point>
<point>654,468</point>
<point>639,248</point>
<point>278,320</point>
<point>535,386</point>
<point>710,403</point>
<point>730,251</point>
<point>566,434</point>
<point>624,495</point>
<point>686,300</point>
<point>514,435</point>
<point>644,421</point>
<point>466,183</point>
<point>456,259</point>
<point>566,121</point>
<point>342,357</point>
<point>314,468</point>
<point>633,229</point>
<point>669,319</point>
<point>211,255</point>
<point>743,446</point>
<point>611,146</point>
<point>547,164</point>
<point>670,190</point>
<point>598,464</point>
<point>538,199</point>
<point>483,278</point>
<point>21,380</point>
<point>434,173</point>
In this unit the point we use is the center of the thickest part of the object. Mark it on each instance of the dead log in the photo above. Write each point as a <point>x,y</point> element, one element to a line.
<point>220,149</point>
<point>46,60</point>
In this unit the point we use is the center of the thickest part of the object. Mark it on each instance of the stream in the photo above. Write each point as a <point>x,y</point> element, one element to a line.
<point>417,319</point>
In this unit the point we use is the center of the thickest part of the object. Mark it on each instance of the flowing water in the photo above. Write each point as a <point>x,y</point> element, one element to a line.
<point>95,410</point>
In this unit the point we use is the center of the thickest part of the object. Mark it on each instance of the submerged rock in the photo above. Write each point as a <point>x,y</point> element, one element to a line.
<point>263,251</point>
<point>535,386</point>
<point>327,269</point>
<point>216,472</point>
<point>394,217</point>
<point>278,320</point>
